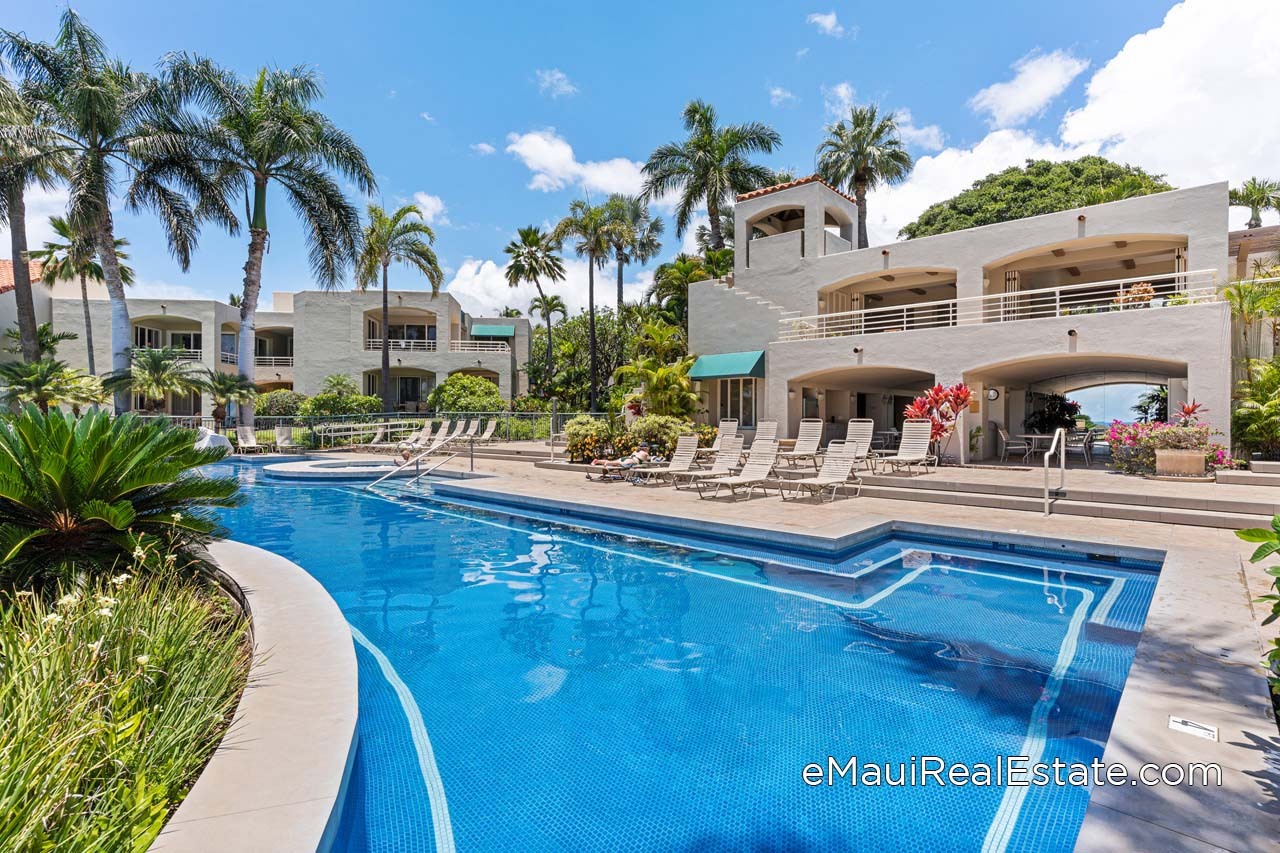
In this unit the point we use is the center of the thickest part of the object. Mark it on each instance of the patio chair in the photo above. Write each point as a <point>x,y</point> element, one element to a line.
<point>444,440</point>
<point>422,437</point>
<point>378,441</point>
<point>681,460</point>
<point>913,450</point>
<point>726,427</point>
<point>859,449</point>
<point>766,431</point>
<point>725,461</point>
<point>859,437</point>
<point>754,475</point>
<point>284,438</point>
<point>489,428</point>
<point>1007,444</point>
<point>834,475</point>
<point>473,426</point>
<point>1082,443</point>
<point>807,442</point>
<point>247,441</point>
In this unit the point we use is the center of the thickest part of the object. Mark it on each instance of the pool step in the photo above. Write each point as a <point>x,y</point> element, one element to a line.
<point>1252,477</point>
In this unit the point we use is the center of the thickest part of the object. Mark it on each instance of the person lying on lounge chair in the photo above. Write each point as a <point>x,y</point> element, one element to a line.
<point>613,469</point>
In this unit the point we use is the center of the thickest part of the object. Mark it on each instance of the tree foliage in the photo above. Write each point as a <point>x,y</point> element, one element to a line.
<point>1038,187</point>
<point>464,393</point>
<point>568,380</point>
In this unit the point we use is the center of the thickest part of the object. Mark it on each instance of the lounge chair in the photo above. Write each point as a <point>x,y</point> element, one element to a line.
<point>489,428</point>
<point>422,438</point>
<point>766,431</point>
<point>284,438</point>
<point>913,450</point>
<point>858,439</point>
<point>1022,447</point>
<point>458,429</point>
<point>834,474</point>
<point>727,427</point>
<point>473,426</point>
<point>754,475</point>
<point>726,460</point>
<point>681,461</point>
<point>807,442</point>
<point>378,441</point>
<point>615,470</point>
<point>247,441</point>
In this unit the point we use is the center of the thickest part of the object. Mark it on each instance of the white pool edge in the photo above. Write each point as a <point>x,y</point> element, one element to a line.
<point>277,780</point>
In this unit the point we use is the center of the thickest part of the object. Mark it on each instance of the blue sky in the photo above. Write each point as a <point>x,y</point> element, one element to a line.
<point>570,98</point>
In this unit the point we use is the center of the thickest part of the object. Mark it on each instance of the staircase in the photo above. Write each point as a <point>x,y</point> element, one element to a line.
<point>1259,474</point>
<point>726,284</point>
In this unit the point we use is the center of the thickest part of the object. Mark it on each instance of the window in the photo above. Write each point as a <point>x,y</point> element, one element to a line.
<point>185,340</point>
<point>738,400</point>
<point>407,332</point>
<point>229,343</point>
<point>410,389</point>
<point>146,338</point>
<point>371,384</point>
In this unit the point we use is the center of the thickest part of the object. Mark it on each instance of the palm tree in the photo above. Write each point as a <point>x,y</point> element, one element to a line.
<point>636,238</point>
<point>548,306</point>
<point>94,118</point>
<point>268,131</point>
<point>48,382</point>
<point>235,300</point>
<point>404,238</point>
<point>510,312</point>
<point>47,340</point>
<point>227,388</point>
<point>75,258</point>
<point>593,232</point>
<point>709,167</point>
<point>1257,194</point>
<point>340,385</point>
<point>702,234</point>
<point>663,341</point>
<point>154,374</point>
<point>862,153</point>
<point>533,259</point>
<point>1249,302</point>
<point>665,388</point>
<point>670,288</point>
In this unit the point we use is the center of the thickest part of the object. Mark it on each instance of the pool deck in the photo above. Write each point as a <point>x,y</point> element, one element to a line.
<point>1198,658</point>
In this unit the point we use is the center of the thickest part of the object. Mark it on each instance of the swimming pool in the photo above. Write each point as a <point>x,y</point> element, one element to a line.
<point>526,685</point>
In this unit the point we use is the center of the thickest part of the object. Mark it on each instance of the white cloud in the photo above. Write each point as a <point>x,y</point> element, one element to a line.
<point>838,99</point>
<point>156,289</point>
<point>484,149</point>
<point>428,117</point>
<point>432,208</point>
<point>802,53</point>
<point>1038,79</point>
<point>554,82</point>
<point>827,23</point>
<point>930,137</point>
<point>551,159</point>
<point>1175,101</point>
<point>41,204</point>
<point>481,286</point>
<point>779,96</point>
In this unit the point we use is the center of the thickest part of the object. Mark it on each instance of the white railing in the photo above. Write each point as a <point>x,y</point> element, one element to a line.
<point>1058,446</point>
<point>400,345</point>
<point>179,354</point>
<point>273,361</point>
<point>228,358</point>
<point>1098,297</point>
<point>479,346</point>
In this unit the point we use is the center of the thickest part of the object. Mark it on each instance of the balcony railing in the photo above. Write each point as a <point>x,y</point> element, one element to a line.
<point>479,346</point>
<point>228,358</point>
<point>1097,297</point>
<point>273,361</point>
<point>400,345</point>
<point>180,354</point>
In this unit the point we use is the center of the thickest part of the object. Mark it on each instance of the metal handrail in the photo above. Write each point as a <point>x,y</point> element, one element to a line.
<point>415,461</point>
<point>1059,446</point>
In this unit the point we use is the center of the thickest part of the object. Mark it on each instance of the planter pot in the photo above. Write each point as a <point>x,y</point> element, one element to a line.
<point>1180,463</point>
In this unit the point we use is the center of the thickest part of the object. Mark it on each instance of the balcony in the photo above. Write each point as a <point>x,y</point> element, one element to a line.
<point>479,346</point>
<point>1097,297</point>
<point>228,358</point>
<point>400,345</point>
<point>273,361</point>
<point>179,354</point>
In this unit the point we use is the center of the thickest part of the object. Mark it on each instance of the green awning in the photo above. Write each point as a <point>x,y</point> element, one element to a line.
<point>493,331</point>
<point>723,365</point>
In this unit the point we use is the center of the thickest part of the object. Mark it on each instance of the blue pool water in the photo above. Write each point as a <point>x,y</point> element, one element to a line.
<point>530,686</point>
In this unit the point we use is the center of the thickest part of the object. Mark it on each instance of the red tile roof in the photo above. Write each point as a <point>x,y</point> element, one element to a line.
<point>789,184</point>
<point>6,273</point>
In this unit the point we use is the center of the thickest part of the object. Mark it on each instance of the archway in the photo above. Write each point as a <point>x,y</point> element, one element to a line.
<point>837,395</point>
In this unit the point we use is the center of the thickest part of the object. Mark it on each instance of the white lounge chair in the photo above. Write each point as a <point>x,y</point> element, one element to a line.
<point>284,438</point>
<point>807,442</point>
<point>913,450</point>
<point>473,426</point>
<point>421,438</point>
<point>681,460</point>
<point>489,428</point>
<point>458,429</point>
<point>766,431</point>
<point>247,441</point>
<point>834,475</point>
<point>378,441</point>
<point>725,461</point>
<point>754,475</point>
<point>727,427</point>
<point>858,439</point>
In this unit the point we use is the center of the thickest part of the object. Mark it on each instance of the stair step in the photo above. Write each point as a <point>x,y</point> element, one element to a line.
<point>1249,478</point>
<point>1260,467</point>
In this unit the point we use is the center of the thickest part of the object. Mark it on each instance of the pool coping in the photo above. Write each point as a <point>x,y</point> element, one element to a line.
<point>277,780</point>
<point>1197,659</point>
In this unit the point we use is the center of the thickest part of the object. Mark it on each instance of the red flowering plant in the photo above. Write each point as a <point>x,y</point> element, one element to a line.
<point>1134,446</point>
<point>941,406</point>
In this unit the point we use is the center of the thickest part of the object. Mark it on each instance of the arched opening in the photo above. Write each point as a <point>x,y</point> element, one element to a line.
<point>228,345</point>
<point>838,227</point>
<point>273,347</point>
<point>837,395</point>
<point>168,330</point>
<point>410,386</point>
<point>408,329</point>
<point>891,300</point>
<point>1016,394</point>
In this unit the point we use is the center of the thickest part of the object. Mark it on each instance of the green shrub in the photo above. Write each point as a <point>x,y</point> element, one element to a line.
<point>114,696</point>
<point>463,393</point>
<point>1134,446</point>
<point>658,431</point>
<point>328,405</point>
<point>279,404</point>
<point>528,403</point>
<point>706,434</point>
<point>80,495</point>
<point>587,437</point>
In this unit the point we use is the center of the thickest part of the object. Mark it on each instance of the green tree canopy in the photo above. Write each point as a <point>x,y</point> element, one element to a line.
<point>1038,187</point>
<point>463,393</point>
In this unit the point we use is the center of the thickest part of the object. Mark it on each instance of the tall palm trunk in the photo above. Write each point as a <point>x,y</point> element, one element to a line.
<point>121,331</point>
<point>252,287</point>
<point>591,330</point>
<point>713,212</point>
<point>88,323</point>
<point>542,297</point>
<point>26,308</point>
<point>620,266</point>
<point>860,196</point>
<point>386,342</point>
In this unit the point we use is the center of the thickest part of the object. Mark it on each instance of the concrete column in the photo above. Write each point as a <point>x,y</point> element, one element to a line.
<point>968,282</point>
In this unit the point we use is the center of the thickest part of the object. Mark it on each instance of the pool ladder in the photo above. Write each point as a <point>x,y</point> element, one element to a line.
<point>1059,447</point>
<point>416,462</point>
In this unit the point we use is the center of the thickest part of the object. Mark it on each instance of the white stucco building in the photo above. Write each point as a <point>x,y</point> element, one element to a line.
<point>1125,292</point>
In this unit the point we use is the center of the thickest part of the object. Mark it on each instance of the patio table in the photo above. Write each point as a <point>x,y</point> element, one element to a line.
<point>1040,442</point>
